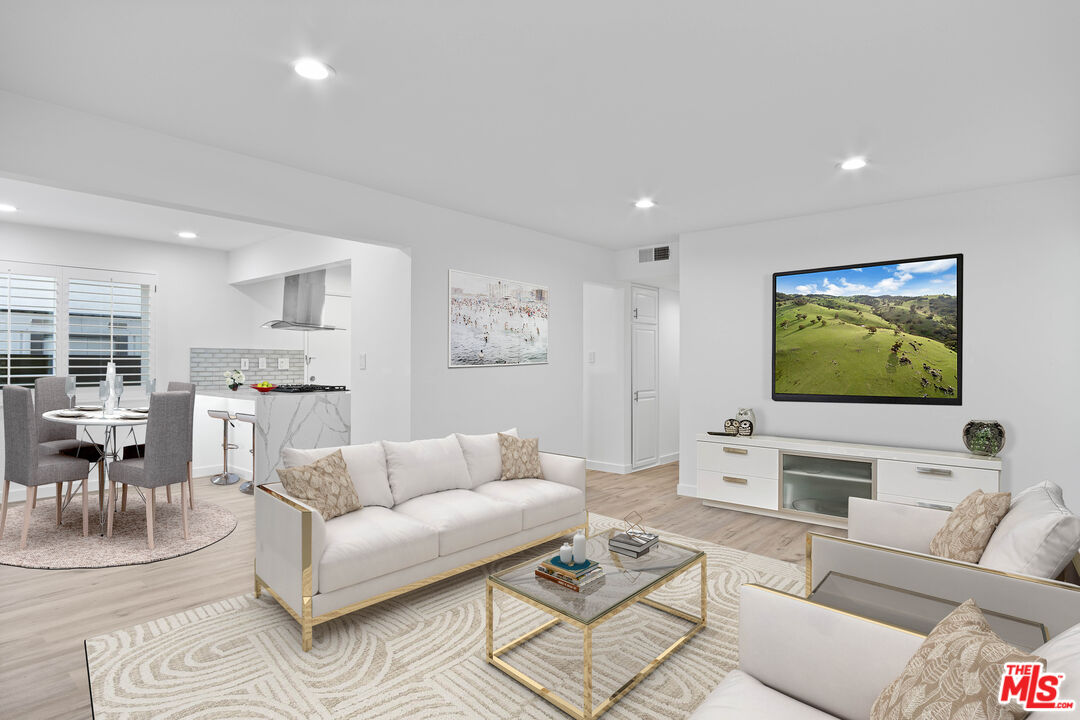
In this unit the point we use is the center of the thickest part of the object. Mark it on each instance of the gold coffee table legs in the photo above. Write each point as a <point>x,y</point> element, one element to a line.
<point>586,711</point>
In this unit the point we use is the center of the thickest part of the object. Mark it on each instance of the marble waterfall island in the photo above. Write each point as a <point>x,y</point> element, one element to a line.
<point>299,420</point>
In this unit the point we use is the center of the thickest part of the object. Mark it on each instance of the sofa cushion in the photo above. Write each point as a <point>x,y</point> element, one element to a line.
<point>1062,655</point>
<point>366,465</point>
<point>969,527</point>
<point>482,456</point>
<point>324,485</point>
<point>741,697</point>
<point>372,542</point>
<point>463,518</point>
<point>1038,536</point>
<point>955,673</point>
<point>541,501</point>
<point>520,457</point>
<point>421,467</point>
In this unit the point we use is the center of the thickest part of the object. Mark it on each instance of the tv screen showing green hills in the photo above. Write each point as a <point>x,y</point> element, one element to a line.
<point>838,333</point>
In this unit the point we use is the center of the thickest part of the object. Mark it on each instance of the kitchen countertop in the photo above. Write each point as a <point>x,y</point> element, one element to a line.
<point>244,393</point>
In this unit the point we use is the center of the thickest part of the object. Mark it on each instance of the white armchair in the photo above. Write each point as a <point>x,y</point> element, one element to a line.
<point>803,661</point>
<point>890,543</point>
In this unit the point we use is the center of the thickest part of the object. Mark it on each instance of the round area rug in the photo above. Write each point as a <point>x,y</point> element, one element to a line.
<point>49,547</point>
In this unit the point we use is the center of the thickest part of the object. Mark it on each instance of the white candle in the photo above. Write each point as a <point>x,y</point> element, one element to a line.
<point>579,548</point>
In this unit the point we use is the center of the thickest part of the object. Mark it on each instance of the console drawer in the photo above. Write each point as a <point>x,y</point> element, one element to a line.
<point>946,484</point>
<point>737,489</point>
<point>741,460</point>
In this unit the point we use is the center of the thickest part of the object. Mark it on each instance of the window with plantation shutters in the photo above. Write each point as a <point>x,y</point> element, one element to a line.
<point>28,311</point>
<point>108,320</point>
<point>57,320</point>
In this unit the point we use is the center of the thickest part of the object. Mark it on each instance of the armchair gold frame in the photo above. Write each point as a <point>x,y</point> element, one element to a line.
<point>305,618</point>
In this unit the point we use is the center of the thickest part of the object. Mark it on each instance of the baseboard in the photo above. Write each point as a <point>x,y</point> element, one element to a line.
<point>205,470</point>
<point>686,490</point>
<point>669,458</point>
<point>607,467</point>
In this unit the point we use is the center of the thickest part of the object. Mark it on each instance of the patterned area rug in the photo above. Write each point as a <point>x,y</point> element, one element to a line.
<point>49,547</point>
<point>421,655</point>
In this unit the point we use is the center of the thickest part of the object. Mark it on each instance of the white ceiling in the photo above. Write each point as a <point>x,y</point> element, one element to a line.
<point>557,115</point>
<point>70,210</point>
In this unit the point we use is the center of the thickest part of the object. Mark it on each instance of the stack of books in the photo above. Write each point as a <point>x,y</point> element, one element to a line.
<point>572,577</point>
<point>633,544</point>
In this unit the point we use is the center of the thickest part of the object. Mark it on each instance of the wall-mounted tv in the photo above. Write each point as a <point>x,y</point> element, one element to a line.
<point>887,332</point>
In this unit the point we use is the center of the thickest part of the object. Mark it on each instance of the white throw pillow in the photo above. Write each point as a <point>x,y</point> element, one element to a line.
<point>422,467</point>
<point>366,465</point>
<point>482,456</point>
<point>1062,655</point>
<point>1038,536</point>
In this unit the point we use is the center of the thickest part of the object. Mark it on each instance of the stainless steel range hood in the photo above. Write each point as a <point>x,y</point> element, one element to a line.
<point>302,308</point>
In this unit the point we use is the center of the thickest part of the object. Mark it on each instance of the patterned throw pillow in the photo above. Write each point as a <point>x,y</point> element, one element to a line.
<point>955,673</point>
<point>969,527</point>
<point>520,457</point>
<point>324,484</point>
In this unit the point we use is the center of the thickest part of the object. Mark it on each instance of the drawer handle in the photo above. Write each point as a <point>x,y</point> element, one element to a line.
<point>942,472</point>
<point>735,451</point>
<point>734,480</point>
<point>934,506</point>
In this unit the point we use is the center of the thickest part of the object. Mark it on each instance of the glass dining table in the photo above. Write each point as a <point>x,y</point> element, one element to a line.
<point>113,423</point>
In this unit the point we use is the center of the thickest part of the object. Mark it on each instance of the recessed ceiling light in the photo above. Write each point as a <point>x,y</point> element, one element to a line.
<point>645,203</point>
<point>186,235</point>
<point>312,69</point>
<point>854,163</point>
<point>4,207</point>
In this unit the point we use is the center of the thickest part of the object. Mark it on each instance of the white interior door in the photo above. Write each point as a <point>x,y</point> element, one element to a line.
<point>644,376</point>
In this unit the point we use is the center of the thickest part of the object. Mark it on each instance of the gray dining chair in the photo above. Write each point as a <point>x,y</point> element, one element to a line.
<point>50,393</point>
<point>26,464</point>
<point>137,451</point>
<point>165,462</point>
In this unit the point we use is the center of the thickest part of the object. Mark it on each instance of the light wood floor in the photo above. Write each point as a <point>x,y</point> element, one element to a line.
<point>46,614</point>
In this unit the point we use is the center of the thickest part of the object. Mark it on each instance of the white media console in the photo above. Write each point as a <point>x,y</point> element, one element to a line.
<point>811,480</point>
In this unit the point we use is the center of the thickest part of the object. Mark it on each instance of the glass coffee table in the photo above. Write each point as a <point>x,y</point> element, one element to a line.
<point>626,581</point>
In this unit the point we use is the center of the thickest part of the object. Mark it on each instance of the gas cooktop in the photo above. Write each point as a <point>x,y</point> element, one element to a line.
<point>308,388</point>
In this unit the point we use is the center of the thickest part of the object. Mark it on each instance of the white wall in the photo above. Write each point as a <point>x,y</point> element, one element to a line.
<point>607,382</point>
<point>1021,246</point>
<point>669,375</point>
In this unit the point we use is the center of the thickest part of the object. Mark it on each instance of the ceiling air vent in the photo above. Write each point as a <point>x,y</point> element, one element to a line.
<point>654,254</point>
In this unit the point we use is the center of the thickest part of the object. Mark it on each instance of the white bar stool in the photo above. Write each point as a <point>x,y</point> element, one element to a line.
<point>225,477</point>
<point>248,486</point>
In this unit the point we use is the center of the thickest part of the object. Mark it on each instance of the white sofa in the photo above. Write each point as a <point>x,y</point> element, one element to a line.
<point>431,509</point>
<point>803,661</point>
<point>890,543</point>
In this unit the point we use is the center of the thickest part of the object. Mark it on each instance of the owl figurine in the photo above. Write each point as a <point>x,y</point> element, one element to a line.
<point>731,426</point>
<point>746,428</point>
<point>746,414</point>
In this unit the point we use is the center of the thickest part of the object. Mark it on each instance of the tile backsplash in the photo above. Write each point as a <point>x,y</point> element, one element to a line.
<point>209,365</point>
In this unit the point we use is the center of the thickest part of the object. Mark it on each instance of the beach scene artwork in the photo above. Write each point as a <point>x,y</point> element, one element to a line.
<point>494,321</point>
<point>883,331</point>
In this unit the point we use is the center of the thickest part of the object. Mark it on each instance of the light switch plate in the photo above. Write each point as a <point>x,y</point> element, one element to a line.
<point>361,361</point>
<point>244,364</point>
<point>262,363</point>
<point>283,363</point>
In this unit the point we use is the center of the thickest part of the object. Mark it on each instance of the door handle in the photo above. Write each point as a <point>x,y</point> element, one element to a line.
<point>635,396</point>
<point>735,451</point>
<point>635,313</point>
<point>735,480</point>
<point>941,472</point>
<point>933,506</point>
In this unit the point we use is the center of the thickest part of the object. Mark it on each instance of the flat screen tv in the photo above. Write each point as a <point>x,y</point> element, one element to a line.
<point>887,332</point>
